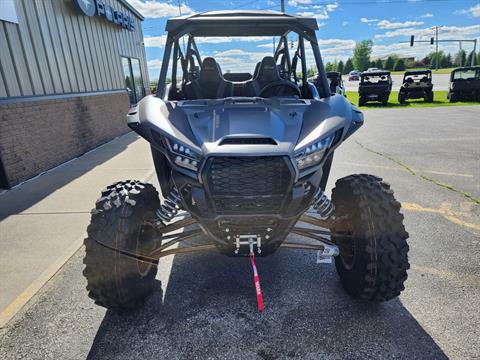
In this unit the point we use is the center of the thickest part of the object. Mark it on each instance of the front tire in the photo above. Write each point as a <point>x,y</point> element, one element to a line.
<point>453,97</point>
<point>373,260</point>
<point>114,280</point>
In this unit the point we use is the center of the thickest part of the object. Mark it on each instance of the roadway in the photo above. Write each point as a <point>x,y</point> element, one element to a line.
<point>204,304</point>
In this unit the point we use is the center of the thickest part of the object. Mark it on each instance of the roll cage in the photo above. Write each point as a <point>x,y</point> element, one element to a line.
<point>234,24</point>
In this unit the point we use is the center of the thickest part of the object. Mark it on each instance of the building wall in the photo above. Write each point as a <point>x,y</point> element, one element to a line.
<point>38,135</point>
<point>55,49</point>
<point>62,84</point>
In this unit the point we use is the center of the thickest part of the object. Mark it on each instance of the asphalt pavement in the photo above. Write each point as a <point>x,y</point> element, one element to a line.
<point>204,305</point>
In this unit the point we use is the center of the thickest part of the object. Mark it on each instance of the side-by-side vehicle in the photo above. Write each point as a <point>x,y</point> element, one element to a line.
<point>374,86</point>
<point>464,84</point>
<point>416,84</point>
<point>243,162</point>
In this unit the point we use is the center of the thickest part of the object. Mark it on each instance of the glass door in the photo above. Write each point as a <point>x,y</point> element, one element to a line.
<point>133,79</point>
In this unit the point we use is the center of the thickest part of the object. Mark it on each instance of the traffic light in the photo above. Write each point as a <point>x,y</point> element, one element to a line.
<point>412,39</point>
<point>432,40</point>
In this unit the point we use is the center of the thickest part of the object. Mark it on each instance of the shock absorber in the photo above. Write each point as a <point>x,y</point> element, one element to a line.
<point>323,205</point>
<point>169,207</point>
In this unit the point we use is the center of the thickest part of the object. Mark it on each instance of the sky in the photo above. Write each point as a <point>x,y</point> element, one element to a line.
<point>341,23</point>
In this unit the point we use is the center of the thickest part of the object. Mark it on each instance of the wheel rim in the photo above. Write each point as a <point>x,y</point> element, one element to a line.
<point>145,244</point>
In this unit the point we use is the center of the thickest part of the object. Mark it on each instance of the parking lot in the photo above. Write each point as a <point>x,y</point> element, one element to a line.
<point>204,305</point>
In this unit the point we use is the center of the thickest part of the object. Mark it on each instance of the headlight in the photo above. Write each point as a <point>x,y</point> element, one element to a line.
<point>183,156</point>
<point>313,153</point>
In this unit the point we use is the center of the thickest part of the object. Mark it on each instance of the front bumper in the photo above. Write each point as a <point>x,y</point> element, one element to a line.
<point>255,196</point>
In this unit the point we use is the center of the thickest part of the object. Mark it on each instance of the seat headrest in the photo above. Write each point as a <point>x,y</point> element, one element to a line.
<point>257,67</point>
<point>210,69</point>
<point>268,70</point>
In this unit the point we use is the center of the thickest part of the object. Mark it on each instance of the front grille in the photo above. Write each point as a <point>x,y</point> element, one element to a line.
<point>248,184</point>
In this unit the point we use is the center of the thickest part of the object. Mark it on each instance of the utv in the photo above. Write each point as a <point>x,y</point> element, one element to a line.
<point>336,83</point>
<point>417,84</point>
<point>464,84</point>
<point>374,86</point>
<point>243,172</point>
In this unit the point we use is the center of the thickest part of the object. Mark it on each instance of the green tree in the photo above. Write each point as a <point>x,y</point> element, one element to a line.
<point>469,59</point>
<point>433,58</point>
<point>329,66</point>
<point>478,58</point>
<point>444,61</point>
<point>361,55</point>
<point>399,65</point>
<point>460,58</point>
<point>348,66</point>
<point>340,67</point>
<point>379,64</point>
<point>389,63</point>
<point>311,72</point>
<point>449,62</point>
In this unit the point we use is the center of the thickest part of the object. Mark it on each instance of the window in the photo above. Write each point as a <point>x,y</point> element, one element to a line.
<point>133,79</point>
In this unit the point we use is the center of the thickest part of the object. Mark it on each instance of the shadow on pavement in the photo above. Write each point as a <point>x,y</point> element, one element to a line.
<point>209,311</point>
<point>25,195</point>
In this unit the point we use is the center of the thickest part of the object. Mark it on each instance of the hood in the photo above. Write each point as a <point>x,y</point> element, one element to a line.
<point>258,125</point>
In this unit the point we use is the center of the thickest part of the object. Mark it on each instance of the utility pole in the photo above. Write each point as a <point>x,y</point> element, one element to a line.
<point>474,55</point>
<point>436,48</point>
<point>282,6</point>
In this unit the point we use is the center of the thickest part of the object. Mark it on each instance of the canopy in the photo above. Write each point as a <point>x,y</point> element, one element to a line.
<point>240,23</point>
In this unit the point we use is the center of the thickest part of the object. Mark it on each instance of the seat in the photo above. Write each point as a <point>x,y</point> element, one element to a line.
<point>210,83</point>
<point>267,74</point>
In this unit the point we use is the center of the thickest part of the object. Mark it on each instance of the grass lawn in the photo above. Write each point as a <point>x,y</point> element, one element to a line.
<point>440,99</point>
<point>439,71</point>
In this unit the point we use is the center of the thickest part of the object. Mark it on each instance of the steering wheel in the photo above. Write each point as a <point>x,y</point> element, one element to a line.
<point>282,83</point>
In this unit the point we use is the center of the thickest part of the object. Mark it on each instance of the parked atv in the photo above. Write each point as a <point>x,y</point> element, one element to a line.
<point>243,172</point>
<point>374,86</point>
<point>417,84</point>
<point>336,83</point>
<point>464,84</point>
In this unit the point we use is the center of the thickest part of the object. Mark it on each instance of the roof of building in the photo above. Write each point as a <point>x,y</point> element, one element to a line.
<point>132,9</point>
<point>241,23</point>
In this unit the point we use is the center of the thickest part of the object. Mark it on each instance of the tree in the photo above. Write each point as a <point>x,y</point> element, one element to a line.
<point>433,58</point>
<point>340,67</point>
<point>379,64</point>
<point>348,66</point>
<point>329,66</point>
<point>399,65</point>
<point>478,58</point>
<point>389,63</point>
<point>469,59</point>
<point>361,55</point>
<point>460,58</point>
<point>426,61</point>
<point>449,60</point>
<point>444,61</point>
<point>311,72</point>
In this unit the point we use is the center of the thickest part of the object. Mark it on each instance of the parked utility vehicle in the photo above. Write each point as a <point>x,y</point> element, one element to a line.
<point>464,84</point>
<point>374,86</point>
<point>417,84</point>
<point>244,171</point>
<point>336,83</point>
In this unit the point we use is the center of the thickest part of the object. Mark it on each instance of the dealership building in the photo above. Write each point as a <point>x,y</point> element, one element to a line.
<point>69,70</point>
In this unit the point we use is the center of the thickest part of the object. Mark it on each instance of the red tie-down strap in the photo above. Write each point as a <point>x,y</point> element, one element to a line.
<point>256,281</point>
